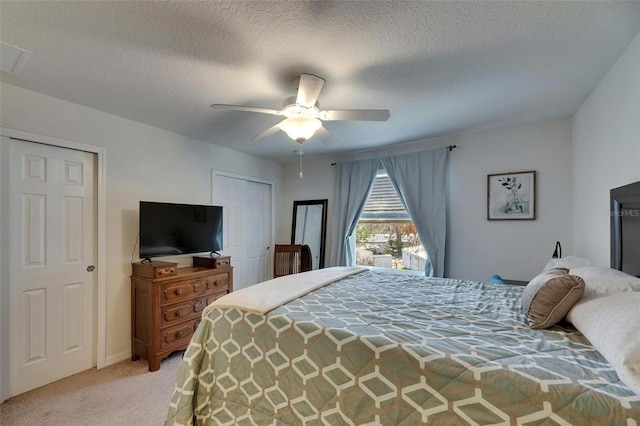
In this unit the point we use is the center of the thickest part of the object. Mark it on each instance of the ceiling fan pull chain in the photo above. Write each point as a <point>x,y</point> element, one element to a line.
<point>300,152</point>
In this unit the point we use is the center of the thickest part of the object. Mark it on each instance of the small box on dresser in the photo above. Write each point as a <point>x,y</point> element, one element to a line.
<point>166,309</point>
<point>212,262</point>
<point>155,269</point>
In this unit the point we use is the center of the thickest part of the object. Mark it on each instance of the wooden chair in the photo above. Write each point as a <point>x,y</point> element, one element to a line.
<point>287,259</point>
<point>306,259</point>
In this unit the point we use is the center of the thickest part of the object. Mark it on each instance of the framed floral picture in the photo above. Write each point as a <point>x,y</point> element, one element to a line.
<point>511,196</point>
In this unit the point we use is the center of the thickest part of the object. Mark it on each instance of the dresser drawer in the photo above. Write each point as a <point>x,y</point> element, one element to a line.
<point>218,282</point>
<point>179,312</point>
<point>178,335</point>
<point>215,296</point>
<point>174,292</point>
<point>183,290</point>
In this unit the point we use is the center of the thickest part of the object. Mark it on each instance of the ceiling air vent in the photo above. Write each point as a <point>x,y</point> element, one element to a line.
<point>12,58</point>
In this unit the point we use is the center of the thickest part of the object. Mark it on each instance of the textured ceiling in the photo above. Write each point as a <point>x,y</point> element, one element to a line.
<point>439,67</point>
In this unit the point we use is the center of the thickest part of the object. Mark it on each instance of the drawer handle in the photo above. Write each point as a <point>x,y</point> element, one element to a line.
<point>216,283</point>
<point>178,291</point>
<point>179,313</point>
<point>179,334</point>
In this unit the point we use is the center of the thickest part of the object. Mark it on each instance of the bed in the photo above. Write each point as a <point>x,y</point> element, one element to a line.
<point>354,346</point>
<point>392,349</point>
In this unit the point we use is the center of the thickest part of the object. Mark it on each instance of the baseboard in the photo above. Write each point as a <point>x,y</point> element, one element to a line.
<point>114,359</point>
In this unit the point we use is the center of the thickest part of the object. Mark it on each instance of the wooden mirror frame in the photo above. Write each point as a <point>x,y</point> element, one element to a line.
<point>323,227</point>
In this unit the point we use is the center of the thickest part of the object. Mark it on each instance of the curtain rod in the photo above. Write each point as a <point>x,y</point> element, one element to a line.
<point>450,148</point>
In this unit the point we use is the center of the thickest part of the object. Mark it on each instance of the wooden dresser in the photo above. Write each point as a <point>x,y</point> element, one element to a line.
<point>167,301</point>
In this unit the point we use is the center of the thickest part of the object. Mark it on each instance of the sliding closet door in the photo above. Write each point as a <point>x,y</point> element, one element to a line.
<point>247,226</point>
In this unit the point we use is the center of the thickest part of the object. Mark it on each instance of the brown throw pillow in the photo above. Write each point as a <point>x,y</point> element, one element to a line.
<point>549,296</point>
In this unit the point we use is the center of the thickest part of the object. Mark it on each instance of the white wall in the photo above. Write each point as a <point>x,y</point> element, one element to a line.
<point>142,163</point>
<point>318,184</point>
<point>518,250</point>
<point>477,248</point>
<point>606,152</point>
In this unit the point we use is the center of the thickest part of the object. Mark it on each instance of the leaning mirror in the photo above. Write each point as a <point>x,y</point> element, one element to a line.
<point>309,228</point>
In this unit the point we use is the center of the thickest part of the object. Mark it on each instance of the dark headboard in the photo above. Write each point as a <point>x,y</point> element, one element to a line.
<point>625,228</point>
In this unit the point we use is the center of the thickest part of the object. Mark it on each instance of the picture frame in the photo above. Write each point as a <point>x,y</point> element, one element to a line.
<point>511,196</point>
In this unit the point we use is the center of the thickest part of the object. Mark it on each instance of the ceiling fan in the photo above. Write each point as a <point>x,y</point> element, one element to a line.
<point>303,115</point>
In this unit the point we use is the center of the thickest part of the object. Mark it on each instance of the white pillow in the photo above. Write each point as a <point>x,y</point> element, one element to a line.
<point>612,324</point>
<point>568,262</point>
<point>599,280</point>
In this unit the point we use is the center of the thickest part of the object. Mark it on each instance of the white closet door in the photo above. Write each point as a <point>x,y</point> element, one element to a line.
<point>52,244</point>
<point>246,226</point>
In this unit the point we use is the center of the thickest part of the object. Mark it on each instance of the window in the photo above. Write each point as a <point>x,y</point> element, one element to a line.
<point>385,235</point>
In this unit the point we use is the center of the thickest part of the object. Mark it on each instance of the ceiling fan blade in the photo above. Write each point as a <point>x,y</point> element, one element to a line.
<point>309,89</point>
<point>325,137</point>
<point>355,114</point>
<point>246,108</point>
<point>270,131</point>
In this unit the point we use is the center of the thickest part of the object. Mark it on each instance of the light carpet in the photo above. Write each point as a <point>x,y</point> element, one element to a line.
<point>125,393</point>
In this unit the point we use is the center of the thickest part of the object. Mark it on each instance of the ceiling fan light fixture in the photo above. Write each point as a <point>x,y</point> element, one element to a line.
<point>300,128</point>
<point>292,109</point>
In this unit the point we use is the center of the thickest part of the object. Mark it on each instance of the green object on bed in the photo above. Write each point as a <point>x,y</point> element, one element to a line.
<point>391,350</point>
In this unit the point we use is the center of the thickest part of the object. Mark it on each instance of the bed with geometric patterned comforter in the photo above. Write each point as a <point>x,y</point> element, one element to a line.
<point>394,349</point>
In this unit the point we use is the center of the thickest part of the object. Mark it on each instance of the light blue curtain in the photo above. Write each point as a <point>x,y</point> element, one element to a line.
<point>353,185</point>
<point>420,179</point>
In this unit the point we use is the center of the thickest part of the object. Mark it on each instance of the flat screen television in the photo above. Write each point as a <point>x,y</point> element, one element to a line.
<point>625,228</point>
<point>168,229</point>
